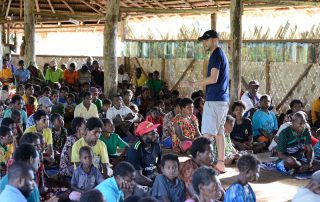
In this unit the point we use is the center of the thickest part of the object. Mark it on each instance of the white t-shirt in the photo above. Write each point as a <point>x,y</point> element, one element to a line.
<point>113,112</point>
<point>123,77</point>
<point>248,102</point>
<point>305,195</point>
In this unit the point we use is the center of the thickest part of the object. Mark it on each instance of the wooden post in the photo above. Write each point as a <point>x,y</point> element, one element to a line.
<point>236,9</point>
<point>191,65</point>
<point>268,78</point>
<point>214,21</point>
<point>1,53</point>
<point>29,32</point>
<point>163,70</point>
<point>109,48</point>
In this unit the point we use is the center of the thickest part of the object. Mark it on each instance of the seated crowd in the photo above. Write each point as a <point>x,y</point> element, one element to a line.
<point>62,139</point>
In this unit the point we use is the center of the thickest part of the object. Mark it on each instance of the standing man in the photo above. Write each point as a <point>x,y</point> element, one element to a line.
<point>217,93</point>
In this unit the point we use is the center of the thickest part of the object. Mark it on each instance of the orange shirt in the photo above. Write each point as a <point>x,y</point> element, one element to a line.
<point>71,78</point>
<point>6,74</point>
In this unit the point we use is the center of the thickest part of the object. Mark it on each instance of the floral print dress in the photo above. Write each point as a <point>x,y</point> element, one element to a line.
<point>189,127</point>
<point>66,167</point>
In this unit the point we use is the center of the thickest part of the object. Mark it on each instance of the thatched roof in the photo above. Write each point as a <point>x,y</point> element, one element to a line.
<point>92,11</point>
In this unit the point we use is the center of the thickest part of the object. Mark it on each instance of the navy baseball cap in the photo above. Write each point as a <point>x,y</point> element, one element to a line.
<point>209,34</point>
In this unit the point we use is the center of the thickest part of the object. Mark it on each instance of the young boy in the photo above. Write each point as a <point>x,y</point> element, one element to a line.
<point>106,104</point>
<point>86,176</point>
<point>167,187</point>
<point>112,140</point>
<point>6,138</point>
<point>57,107</point>
<point>241,190</point>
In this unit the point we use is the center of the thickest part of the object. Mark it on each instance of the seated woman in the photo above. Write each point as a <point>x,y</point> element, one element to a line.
<point>295,106</point>
<point>207,185</point>
<point>185,127</point>
<point>79,130</point>
<point>264,122</point>
<point>294,147</point>
<point>241,135</point>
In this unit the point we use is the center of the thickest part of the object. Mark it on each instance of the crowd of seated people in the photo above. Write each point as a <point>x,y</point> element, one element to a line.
<point>62,138</point>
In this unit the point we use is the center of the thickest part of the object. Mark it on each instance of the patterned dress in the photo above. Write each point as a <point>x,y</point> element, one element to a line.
<point>239,193</point>
<point>189,127</point>
<point>66,167</point>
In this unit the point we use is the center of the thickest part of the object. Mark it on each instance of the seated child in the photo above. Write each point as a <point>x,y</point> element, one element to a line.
<point>30,107</point>
<point>317,146</point>
<point>112,140</point>
<point>135,110</point>
<point>198,106</point>
<point>156,117</point>
<point>231,154</point>
<point>241,134</point>
<point>167,186</point>
<point>86,176</point>
<point>59,133</point>
<point>106,104</point>
<point>6,139</point>
<point>264,122</point>
<point>241,190</point>
<point>69,107</point>
<point>207,185</point>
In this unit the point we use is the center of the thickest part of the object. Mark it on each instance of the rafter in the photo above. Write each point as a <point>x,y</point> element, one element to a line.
<point>8,9</point>
<point>50,4</point>
<point>93,8</point>
<point>98,4</point>
<point>37,5</point>
<point>146,3</point>
<point>159,4</point>
<point>21,8</point>
<point>68,6</point>
<point>134,3</point>
<point>189,4</point>
<point>123,4</point>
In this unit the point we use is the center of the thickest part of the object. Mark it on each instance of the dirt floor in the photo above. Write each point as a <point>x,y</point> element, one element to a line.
<point>271,186</point>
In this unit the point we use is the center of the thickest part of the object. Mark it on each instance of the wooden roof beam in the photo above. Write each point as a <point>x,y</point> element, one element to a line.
<point>21,8</point>
<point>147,4</point>
<point>159,4</point>
<point>8,9</point>
<point>98,4</point>
<point>93,8</point>
<point>68,6</point>
<point>123,4</point>
<point>37,5</point>
<point>189,4</point>
<point>50,4</point>
<point>134,3</point>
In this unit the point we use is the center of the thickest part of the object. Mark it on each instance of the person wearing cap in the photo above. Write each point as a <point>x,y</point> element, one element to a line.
<point>217,93</point>
<point>17,103</point>
<point>145,154</point>
<point>95,97</point>
<point>54,74</point>
<point>86,109</point>
<point>251,98</point>
<point>44,103</point>
<point>311,192</point>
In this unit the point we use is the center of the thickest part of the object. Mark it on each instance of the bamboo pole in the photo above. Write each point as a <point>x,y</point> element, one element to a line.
<point>1,53</point>
<point>268,77</point>
<point>50,4</point>
<point>142,69</point>
<point>183,75</point>
<point>109,47</point>
<point>37,5</point>
<point>93,8</point>
<point>236,36</point>
<point>295,85</point>
<point>214,21</point>
<point>163,69</point>
<point>21,9</point>
<point>29,31</point>
<point>8,9</point>
<point>67,5</point>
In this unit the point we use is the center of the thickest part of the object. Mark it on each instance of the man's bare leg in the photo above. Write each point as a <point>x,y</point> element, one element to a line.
<point>220,148</point>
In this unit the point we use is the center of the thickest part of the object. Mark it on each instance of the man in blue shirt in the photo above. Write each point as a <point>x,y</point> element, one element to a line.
<point>20,183</point>
<point>27,154</point>
<point>22,75</point>
<point>217,93</point>
<point>121,185</point>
